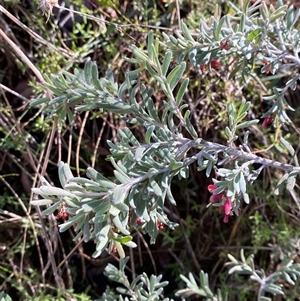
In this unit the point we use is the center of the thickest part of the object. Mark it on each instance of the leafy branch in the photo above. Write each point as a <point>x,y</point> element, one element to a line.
<point>288,272</point>
<point>108,210</point>
<point>142,288</point>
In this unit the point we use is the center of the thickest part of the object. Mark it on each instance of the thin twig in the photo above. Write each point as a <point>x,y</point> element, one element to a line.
<point>35,35</point>
<point>22,56</point>
<point>13,92</point>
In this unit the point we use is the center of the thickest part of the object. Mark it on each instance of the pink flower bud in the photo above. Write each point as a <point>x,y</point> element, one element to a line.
<point>211,188</point>
<point>227,207</point>
<point>226,219</point>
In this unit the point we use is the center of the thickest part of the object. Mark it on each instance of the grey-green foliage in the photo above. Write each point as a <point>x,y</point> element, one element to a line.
<point>200,290</point>
<point>106,210</point>
<point>142,288</point>
<point>5,297</point>
<point>101,207</point>
<point>288,272</point>
<point>253,35</point>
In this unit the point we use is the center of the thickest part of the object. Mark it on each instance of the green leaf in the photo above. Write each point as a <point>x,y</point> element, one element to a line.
<point>245,6</point>
<point>123,239</point>
<point>242,22</point>
<point>287,145</point>
<point>228,132</point>
<point>119,194</point>
<point>41,202</point>
<point>278,13</point>
<point>102,208</point>
<point>57,100</point>
<point>100,246</point>
<point>242,183</point>
<point>149,133</point>
<point>49,190</point>
<point>290,183</point>
<point>246,197</point>
<point>64,173</point>
<point>181,91</point>
<point>247,124</point>
<point>5,297</point>
<point>120,249</point>
<point>190,127</point>
<point>117,222</point>
<point>264,10</point>
<point>139,54</point>
<point>157,190</point>
<point>150,42</point>
<point>166,62</point>
<point>244,107</point>
<point>254,35</point>
<point>153,72</point>
<point>39,101</point>
<point>73,220</point>
<point>176,165</point>
<point>155,58</point>
<point>274,289</point>
<point>99,178</point>
<point>121,177</point>
<point>139,153</point>
<point>232,259</point>
<point>186,32</point>
<point>175,75</point>
<point>218,27</point>
<point>280,184</point>
<point>292,17</point>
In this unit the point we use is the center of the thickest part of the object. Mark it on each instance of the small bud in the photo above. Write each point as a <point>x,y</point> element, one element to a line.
<point>268,121</point>
<point>215,64</point>
<point>203,67</point>
<point>224,45</point>
<point>62,213</point>
<point>159,225</point>
<point>211,188</point>
<point>138,221</point>
<point>65,215</point>
<point>268,70</point>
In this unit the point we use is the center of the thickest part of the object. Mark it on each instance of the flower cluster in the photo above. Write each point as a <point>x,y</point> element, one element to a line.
<point>62,213</point>
<point>227,204</point>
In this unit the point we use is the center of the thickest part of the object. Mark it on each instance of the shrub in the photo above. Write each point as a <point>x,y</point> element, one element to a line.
<point>252,43</point>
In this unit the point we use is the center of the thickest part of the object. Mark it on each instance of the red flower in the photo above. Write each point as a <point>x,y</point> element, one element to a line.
<point>138,221</point>
<point>62,214</point>
<point>226,209</point>
<point>227,206</point>
<point>226,219</point>
<point>211,188</point>
<point>214,197</point>
<point>224,45</point>
<point>215,64</point>
<point>267,121</point>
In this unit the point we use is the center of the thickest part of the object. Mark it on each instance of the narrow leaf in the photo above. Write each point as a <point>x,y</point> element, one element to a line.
<point>175,75</point>
<point>181,91</point>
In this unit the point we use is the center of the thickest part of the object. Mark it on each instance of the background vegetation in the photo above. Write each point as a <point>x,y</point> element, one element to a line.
<point>31,144</point>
